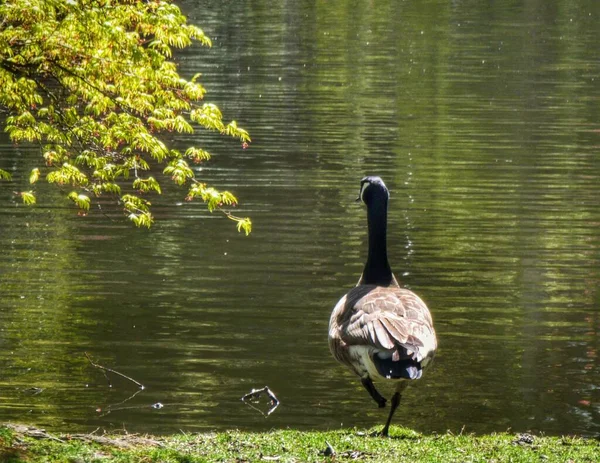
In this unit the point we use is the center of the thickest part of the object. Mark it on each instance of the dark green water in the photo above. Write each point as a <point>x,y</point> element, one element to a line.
<point>483,118</point>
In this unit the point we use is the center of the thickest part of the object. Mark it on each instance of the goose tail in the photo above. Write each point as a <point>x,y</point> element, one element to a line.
<point>392,367</point>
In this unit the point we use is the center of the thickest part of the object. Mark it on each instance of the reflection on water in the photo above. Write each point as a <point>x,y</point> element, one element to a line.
<point>483,120</point>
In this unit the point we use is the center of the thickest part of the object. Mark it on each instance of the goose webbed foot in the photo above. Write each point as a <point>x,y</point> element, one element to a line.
<point>382,433</point>
<point>373,392</point>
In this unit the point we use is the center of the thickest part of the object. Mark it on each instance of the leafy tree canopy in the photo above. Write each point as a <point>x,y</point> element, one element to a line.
<point>91,82</point>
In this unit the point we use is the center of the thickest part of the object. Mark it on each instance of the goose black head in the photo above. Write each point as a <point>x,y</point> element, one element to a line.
<point>372,189</point>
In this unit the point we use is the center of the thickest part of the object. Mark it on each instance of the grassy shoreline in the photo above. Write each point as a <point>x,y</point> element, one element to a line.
<point>20,443</point>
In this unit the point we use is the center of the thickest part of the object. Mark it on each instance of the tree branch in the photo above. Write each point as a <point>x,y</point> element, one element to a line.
<point>138,384</point>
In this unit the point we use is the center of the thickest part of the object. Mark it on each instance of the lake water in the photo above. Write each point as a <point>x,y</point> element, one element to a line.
<point>483,118</point>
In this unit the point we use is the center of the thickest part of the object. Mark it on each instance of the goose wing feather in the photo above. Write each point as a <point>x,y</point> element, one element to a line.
<point>385,318</point>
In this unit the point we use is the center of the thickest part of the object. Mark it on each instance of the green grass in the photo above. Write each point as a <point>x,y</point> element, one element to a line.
<point>22,444</point>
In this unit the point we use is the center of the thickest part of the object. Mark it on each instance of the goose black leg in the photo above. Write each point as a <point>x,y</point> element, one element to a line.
<point>370,387</point>
<point>395,402</point>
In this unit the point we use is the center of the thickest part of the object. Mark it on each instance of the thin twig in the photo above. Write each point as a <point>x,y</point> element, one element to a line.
<point>30,431</point>
<point>114,407</point>
<point>104,213</point>
<point>138,384</point>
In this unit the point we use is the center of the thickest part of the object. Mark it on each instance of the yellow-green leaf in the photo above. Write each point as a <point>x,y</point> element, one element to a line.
<point>34,176</point>
<point>245,225</point>
<point>28,198</point>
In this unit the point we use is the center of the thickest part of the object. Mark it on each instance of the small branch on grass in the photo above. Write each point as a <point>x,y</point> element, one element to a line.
<point>254,396</point>
<point>30,431</point>
<point>105,369</point>
<point>130,440</point>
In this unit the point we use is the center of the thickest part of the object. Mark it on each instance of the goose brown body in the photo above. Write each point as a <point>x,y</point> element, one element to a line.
<point>374,321</point>
<point>379,330</point>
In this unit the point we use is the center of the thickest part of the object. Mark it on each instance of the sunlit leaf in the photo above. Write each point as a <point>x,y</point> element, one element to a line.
<point>245,225</point>
<point>34,175</point>
<point>82,201</point>
<point>146,185</point>
<point>94,86</point>
<point>28,198</point>
<point>143,219</point>
<point>179,171</point>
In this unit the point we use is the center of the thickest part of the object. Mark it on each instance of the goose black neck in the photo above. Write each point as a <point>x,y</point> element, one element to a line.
<point>377,269</point>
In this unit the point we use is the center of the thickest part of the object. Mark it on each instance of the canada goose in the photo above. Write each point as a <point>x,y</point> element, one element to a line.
<point>378,329</point>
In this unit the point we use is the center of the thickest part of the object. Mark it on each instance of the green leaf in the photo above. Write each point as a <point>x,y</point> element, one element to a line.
<point>106,187</point>
<point>146,185</point>
<point>143,219</point>
<point>135,204</point>
<point>28,198</point>
<point>114,95</point>
<point>197,155</point>
<point>245,224</point>
<point>234,131</point>
<point>34,176</point>
<point>179,171</point>
<point>82,201</point>
<point>68,175</point>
